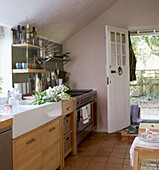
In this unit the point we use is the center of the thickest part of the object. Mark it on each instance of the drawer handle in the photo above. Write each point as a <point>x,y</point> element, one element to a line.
<point>69,108</point>
<point>66,121</point>
<point>31,141</point>
<point>68,138</point>
<point>52,129</point>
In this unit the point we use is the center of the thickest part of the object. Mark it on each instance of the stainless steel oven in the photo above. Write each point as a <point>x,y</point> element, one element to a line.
<point>83,97</point>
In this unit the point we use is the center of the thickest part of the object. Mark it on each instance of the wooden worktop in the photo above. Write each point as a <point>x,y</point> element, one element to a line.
<point>5,121</point>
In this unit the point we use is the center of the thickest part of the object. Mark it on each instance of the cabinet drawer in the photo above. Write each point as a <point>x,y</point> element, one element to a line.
<point>51,145</point>
<point>67,106</point>
<point>28,151</point>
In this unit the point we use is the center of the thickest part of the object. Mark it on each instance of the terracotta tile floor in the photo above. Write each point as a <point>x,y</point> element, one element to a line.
<point>102,151</point>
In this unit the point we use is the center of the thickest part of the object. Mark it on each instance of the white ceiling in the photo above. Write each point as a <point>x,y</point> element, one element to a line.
<point>62,18</point>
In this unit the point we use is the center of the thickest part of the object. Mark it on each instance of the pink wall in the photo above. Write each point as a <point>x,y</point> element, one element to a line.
<point>87,47</point>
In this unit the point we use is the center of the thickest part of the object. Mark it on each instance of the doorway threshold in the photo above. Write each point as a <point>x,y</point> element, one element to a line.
<point>150,121</point>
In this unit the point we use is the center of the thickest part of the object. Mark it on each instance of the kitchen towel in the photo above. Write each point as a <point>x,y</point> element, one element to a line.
<point>85,114</point>
<point>138,143</point>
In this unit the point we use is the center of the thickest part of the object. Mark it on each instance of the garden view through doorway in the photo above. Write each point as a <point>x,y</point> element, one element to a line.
<point>145,90</point>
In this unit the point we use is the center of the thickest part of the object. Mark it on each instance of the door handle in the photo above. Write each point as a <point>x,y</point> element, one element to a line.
<point>31,141</point>
<point>52,129</point>
<point>113,71</point>
<point>66,121</point>
<point>69,108</point>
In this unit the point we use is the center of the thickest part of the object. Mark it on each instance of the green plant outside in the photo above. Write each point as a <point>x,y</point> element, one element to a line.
<point>146,48</point>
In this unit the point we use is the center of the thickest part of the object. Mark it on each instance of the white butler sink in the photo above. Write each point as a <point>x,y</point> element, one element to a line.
<point>30,117</point>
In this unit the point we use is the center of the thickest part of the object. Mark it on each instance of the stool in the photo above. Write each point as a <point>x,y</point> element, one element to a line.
<point>146,153</point>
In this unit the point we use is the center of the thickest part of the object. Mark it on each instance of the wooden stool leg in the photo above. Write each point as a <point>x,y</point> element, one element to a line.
<point>136,161</point>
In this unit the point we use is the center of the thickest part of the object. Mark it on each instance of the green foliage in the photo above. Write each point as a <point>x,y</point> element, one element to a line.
<point>145,47</point>
<point>145,99</point>
<point>54,94</point>
<point>0,84</point>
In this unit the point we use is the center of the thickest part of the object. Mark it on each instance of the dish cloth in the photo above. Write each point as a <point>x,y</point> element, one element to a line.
<point>138,143</point>
<point>85,114</point>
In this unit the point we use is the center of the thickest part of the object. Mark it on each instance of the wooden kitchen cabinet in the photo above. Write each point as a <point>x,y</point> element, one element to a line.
<point>39,149</point>
<point>51,145</point>
<point>68,109</point>
<point>27,151</point>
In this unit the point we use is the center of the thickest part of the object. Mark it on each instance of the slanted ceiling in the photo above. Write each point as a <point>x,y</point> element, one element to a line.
<point>61,18</point>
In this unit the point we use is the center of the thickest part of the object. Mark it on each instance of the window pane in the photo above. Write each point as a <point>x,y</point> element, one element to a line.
<point>118,37</point>
<point>118,49</point>
<point>113,60</point>
<point>124,59</point>
<point>112,36</point>
<point>123,38</point>
<point>112,48</point>
<point>118,59</point>
<point>123,49</point>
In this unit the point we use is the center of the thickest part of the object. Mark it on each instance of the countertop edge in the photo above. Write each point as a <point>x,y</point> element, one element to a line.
<point>6,121</point>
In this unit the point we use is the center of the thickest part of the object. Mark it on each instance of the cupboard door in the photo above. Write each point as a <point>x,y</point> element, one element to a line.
<point>27,151</point>
<point>51,145</point>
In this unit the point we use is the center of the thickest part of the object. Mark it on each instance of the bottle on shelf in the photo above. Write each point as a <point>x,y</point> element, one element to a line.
<point>33,36</point>
<point>27,34</point>
<point>18,35</point>
<point>36,38</point>
<point>23,36</point>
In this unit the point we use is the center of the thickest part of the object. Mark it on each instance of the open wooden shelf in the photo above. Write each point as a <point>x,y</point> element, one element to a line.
<point>66,153</point>
<point>68,133</point>
<point>29,70</point>
<point>31,46</point>
<point>68,107</point>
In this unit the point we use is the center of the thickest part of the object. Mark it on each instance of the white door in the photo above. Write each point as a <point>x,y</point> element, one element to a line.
<point>117,70</point>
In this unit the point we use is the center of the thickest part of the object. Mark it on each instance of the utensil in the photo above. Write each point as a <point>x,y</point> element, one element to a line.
<point>59,82</point>
<point>24,88</point>
<point>28,88</point>
<point>19,86</point>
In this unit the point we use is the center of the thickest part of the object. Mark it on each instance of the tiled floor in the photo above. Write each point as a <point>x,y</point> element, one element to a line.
<point>102,151</point>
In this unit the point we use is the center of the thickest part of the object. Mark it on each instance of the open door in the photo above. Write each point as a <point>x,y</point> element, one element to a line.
<point>117,70</point>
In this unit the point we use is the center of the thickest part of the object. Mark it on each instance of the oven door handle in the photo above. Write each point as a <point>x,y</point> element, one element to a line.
<point>84,105</point>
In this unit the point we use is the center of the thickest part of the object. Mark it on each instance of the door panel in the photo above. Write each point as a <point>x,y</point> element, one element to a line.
<point>117,64</point>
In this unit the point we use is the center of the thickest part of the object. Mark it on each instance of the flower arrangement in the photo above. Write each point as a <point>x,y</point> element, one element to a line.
<point>54,94</point>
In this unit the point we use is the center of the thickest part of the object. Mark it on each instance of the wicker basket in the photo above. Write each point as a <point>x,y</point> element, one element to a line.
<point>67,143</point>
<point>67,124</point>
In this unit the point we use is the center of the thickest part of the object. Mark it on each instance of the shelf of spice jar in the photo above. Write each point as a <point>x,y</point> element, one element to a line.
<point>31,46</point>
<point>29,70</point>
